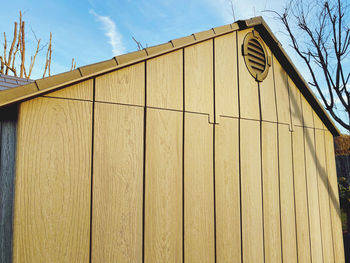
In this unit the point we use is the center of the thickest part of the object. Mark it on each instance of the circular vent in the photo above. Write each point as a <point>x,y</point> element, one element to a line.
<point>255,56</point>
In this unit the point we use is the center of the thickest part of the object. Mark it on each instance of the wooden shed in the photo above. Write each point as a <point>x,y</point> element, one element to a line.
<point>208,148</point>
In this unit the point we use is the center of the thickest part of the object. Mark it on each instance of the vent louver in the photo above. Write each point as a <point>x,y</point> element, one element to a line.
<point>255,56</point>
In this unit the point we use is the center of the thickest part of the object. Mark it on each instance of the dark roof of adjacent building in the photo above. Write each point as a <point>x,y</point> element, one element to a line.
<point>45,85</point>
<point>9,82</point>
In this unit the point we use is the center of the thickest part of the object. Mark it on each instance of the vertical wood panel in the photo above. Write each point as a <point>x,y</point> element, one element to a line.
<point>272,234</point>
<point>317,121</point>
<point>308,118</point>
<point>52,198</point>
<point>301,199</point>
<point>8,139</point>
<point>81,91</point>
<point>334,200</point>
<point>322,177</point>
<point>282,92</point>
<point>314,208</point>
<point>126,85</point>
<point>163,210</point>
<point>252,218</point>
<point>165,80</point>
<point>226,82</point>
<point>199,78</point>
<point>295,104</point>
<point>267,95</point>
<point>118,184</point>
<point>248,87</point>
<point>228,229</point>
<point>199,194</point>
<point>289,243</point>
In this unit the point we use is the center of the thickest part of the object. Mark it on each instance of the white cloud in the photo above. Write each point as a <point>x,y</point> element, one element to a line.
<point>110,29</point>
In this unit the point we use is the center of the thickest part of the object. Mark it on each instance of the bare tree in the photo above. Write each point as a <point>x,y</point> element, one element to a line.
<point>18,50</point>
<point>320,34</point>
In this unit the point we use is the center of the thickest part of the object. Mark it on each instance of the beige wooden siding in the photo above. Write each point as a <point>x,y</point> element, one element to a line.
<point>199,88</point>
<point>282,92</point>
<point>317,121</point>
<point>323,186</point>
<point>117,184</point>
<point>165,81</point>
<point>228,226</point>
<point>296,110</point>
<point>199,189</point>
<point>313,198</point>
<point>337,232</point>
<point>267,95</point>
<point>301,199</point>
<point>288,220</point>
<point>163,186</point>
<point>252,217</point>
<point>80,91</point>
<point>308,119</point>
<point>226,81</point>
<point>248,87</point>
<point>126,86</point>
<point>271,205</point>
<point>52,200</point>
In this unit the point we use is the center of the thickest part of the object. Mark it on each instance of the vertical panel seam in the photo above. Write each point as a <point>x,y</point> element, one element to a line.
<point>279,189</point>
<point>239,151</point>
<point>307,193</point>
<point>214,190</point>
<point>261,173</point>
<point>318,190</point>
<point>144,166</point>
<point>295,209</point>
<point>183,155</point>
<point>92,165</point>
<point>328,191</point>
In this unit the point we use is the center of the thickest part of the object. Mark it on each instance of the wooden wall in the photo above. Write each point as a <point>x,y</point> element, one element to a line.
<point>180,158</point>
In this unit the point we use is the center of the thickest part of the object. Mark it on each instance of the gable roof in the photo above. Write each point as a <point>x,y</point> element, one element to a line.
<point>45,85</point>
<point>9,82</point>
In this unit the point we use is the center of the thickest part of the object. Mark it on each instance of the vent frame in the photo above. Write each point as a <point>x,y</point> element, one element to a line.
<point>250,38</point>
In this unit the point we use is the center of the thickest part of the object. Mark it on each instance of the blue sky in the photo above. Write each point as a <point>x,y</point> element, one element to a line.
<point>93,30</point>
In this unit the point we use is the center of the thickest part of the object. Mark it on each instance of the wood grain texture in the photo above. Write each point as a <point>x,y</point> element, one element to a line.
<point>163,210</point>
<point>165,81</point>
<point>313,198</point>
<point>296,110</point>
<point>252,214</point>
<point>226,79</point>
<point>118,184</point>
<point>323,186</point>
<point>267,95</point>
<point>80,91</point>
<point>288,220</point>
<point>317,121</point>
<point>248,87</point>
<point>126,85</point>
<point>199,88</point>
<point>301,199</point>
<point>228,229</point>
<point>52,198</point>
<point>334,200</point>
<point>282,92</point>
<point>308,119</point>
<point>271,206</point>
<point>199,189</point>
<point>8,139</point>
